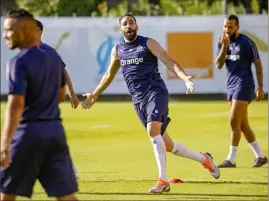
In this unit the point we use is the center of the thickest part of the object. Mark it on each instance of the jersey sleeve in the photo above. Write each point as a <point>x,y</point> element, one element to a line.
<point>254,54</point>
<point>16,77</point>
<point>63,65</point>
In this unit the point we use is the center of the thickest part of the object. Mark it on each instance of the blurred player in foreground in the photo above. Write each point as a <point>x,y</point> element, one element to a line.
<point>33,141</point>
<point>238,52</point>
<point>72,95</point>
<point>138,58</point>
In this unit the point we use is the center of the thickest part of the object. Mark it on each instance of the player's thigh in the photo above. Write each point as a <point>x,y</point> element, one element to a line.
<point>154,128</point>
<point>57,175</point>
<point>157,113</point>
<point>27,155</point>
<point>237,111</point>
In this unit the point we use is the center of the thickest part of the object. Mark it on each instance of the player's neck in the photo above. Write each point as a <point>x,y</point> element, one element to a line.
<point>237,35</point>
<point>30,44</point>
<point>130,41</point>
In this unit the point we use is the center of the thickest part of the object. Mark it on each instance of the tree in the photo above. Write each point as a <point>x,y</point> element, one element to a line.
<point>40,7</point>
<point>141,8</point>
<point>58,7</point>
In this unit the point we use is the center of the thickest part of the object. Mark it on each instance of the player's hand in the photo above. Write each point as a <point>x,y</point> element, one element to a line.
<point>224,40</point>
<point>74,101</point>
<point>90,100</point>
<point>189,84</point>
<point>5,155</point>
<point>259,94</point>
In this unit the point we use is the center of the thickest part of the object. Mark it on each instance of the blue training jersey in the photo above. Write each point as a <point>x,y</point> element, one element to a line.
<point>37,74</point>
<point>140,69</point>
<point>241,53</point>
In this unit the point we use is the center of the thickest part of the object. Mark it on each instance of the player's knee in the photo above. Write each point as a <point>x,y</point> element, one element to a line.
<point>169,147</point>
<point>154,128</point>
<point>235,123</point>
<point>245,128</point>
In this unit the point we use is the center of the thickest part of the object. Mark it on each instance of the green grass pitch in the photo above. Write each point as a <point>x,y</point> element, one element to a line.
<point>115,160</point>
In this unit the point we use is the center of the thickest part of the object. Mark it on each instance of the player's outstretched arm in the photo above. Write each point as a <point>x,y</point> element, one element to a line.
<point>220,60</point>
<point>161,54</point>
<point>171,64</point>
<point>105,81</point>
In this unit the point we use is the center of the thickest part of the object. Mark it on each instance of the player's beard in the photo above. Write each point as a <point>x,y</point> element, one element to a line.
<point>130,36</point>
<point>233,36</point>
<point>11,44</point>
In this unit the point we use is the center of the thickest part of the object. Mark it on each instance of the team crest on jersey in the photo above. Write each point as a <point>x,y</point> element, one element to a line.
<point>140,49</point>
<point>237,48</point>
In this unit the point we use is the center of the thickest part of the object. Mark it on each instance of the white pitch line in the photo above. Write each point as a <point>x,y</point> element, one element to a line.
<point>184,180</point>
<point>100,126</point>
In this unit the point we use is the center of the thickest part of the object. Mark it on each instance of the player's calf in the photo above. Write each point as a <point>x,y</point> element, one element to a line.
<point>261,159</point>
<point>153,129</point>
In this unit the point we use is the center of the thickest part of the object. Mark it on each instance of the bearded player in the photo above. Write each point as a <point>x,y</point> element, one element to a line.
<point>238,52</point>
<point>138,58</point>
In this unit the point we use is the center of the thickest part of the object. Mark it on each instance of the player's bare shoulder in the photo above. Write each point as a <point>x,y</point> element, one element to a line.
<point>114,55</point>
<point>151,43</point>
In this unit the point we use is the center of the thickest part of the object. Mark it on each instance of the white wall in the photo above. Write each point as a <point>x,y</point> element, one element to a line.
<point>86,50</point>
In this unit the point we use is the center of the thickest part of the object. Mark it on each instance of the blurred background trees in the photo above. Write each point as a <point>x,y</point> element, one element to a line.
<point>138,7</point>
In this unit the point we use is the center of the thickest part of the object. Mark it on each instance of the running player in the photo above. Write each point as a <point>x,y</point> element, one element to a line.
<point>138,58</point>
<point>33,141</point>
<point>238,52</point>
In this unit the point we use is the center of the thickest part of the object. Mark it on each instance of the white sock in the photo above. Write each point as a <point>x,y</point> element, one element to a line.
<point>183,151</point>
<point>160,155</point>
<point>232,153</point>
<point>256,149</point>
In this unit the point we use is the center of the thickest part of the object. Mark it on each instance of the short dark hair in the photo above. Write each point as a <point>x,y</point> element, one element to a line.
<point>39,25</point>
<point>19,13</point>
<point>233,17</point>
<point>127,14</point>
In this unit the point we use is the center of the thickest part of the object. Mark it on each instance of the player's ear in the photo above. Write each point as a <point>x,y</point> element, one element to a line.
<point>121,31</point>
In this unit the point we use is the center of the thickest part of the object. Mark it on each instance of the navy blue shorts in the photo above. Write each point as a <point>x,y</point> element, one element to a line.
<point>154,108</point>
<point>241,93</point>
<point>39,151</point>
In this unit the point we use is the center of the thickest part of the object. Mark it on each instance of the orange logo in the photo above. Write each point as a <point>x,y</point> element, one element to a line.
<point>193,52</point>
